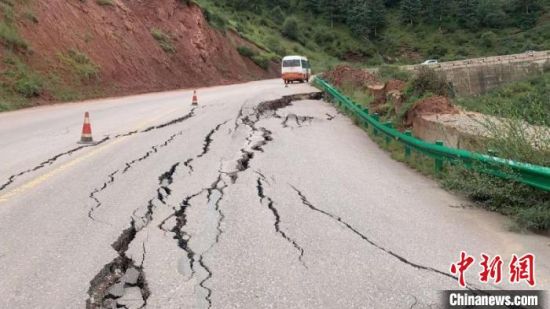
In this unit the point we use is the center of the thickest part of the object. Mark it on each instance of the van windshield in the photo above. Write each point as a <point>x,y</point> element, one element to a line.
<point>291,63</point>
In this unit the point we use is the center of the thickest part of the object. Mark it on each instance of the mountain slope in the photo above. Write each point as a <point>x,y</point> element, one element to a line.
<point>75,49</point>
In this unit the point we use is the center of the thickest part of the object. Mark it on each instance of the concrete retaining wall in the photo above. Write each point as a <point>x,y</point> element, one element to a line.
<point>477,76</point>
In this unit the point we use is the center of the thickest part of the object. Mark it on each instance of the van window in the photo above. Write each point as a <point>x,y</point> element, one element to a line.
<point>291,63</point>
<point>305,64</point>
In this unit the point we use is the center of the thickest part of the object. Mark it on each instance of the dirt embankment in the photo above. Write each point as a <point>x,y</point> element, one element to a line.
<point>388,97</point>
<point>119,39</point>
<point>348,76</point>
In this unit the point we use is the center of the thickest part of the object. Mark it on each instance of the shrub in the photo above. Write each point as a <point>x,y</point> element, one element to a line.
<point>105,2</point>
<point>387,72</point>
<point>10,38</point>
<point>164,40</point>
<point>81,64</point>
<point>274,44</point>
<point>214,19</point>
<point>262,60</point>
<point>19,78</point>
<point>245,51</point>
<point>29,85</point>
<point>290,28</point>
<point>428,80</point>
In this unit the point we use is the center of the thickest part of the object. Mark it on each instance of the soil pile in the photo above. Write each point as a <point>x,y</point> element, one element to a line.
<point>347,76</point>
<point>430,106</point>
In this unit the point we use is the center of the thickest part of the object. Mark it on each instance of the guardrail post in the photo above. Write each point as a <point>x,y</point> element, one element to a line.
<point>388,138</point>
<point>407,148</point>
<point>438,160</point>
<point>376,117</point>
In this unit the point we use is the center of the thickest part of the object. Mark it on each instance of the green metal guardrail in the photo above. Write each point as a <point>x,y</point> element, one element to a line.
<point>532,175</point>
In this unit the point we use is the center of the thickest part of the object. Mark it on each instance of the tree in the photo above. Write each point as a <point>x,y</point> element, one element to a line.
<point>367,17</point>
<point>290,28</point>
<point>436,9</point>
<point>467,13</point>
<point>410,11</point>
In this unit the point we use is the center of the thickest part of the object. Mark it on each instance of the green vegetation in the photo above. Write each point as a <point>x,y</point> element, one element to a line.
<point>105,2</point>
<point>528,207</point>
<point>262,59</point>
<point>526,100</point>
<point>18,83</point>
<point>374,32</point>
<point>81,65</point>
<point>164,40</point>
<point>9,37</point>
<point>280,33</point>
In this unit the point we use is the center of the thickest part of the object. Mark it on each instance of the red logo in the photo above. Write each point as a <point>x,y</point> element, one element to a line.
<point>522,269</point>
<point>492,269</point>
<point>460,267</point>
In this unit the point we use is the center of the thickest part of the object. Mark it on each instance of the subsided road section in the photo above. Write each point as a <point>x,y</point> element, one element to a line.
<point>246,201</point>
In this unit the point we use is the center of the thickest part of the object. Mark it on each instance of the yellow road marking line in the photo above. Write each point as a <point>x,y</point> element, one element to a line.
<point>42,178</point>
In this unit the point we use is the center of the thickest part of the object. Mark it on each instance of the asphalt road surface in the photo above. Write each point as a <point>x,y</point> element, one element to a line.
<point>246,201</point>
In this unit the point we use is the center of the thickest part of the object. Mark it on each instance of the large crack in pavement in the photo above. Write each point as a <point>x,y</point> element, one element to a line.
<point>48,162</point>
<point>299,120</point>
<point>128,165</point>
<point>348,226</point>
<point>255,142</point>
<point>117,284</point>
<point>107,289</point>
<point>11,179</point>
<point>277,217</point>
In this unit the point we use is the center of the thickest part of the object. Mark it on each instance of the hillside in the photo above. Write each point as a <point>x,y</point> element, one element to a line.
<point>68,50</point>
<point>61,51</point>
<point>372,32</point>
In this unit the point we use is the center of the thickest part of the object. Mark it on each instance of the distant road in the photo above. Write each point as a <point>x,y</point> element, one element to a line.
<point>236,203</point>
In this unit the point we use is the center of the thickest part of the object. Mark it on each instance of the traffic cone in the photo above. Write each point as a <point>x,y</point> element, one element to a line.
<point>195,100</point>
<point>86,130</point>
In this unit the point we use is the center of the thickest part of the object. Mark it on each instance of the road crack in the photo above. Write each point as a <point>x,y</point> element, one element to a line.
<point>128,165</point>
<point>277,218</point>
<point>109,286</point>
<point>11,179</point>
<point>49,162</point>
<point>348,226</point>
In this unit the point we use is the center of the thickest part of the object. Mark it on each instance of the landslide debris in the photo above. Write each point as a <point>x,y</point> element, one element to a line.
<point>348,76</point>
<point>430,106</point>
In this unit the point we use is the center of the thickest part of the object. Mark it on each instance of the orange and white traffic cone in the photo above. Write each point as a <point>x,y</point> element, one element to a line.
<point>86,130</point>
<point>195,100</point>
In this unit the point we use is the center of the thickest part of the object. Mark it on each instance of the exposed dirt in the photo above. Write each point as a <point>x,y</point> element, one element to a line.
<point>429,106</point>
<point>345,75</point>
<point>118,39</point>
<point>395,85</point>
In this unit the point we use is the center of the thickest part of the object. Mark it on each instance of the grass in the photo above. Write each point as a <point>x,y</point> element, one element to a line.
<point>527,100</point>
<point>265,29</point>
<point>529,208</point>
<point>80,64</point>
<point>164,40</point>
<point>405,44</point>
<point>262,59</point>
<point>9,37</point>
<point>328,45</point>
<point>105,2</point>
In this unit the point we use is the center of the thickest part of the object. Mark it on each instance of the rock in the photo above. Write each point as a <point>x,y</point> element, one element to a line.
<point>117,290</point>
<point>131,276</point>
<point>132,298</point>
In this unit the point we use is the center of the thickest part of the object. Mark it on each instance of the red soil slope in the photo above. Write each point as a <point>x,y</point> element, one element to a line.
<point>118,39</point>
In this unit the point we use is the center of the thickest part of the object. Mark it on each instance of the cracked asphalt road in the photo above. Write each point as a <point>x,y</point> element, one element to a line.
<point>249,200</point>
